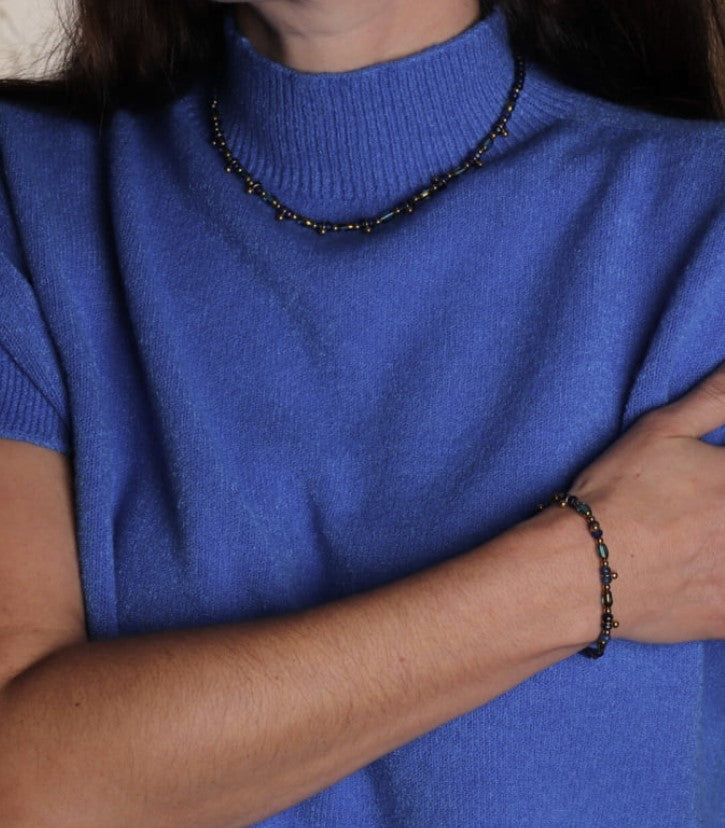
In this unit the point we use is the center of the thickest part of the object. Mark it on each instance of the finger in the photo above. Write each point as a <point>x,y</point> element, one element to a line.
<point>701,410</point>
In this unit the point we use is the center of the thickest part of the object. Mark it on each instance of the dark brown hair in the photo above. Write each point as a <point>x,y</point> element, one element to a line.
<point>667,56</point>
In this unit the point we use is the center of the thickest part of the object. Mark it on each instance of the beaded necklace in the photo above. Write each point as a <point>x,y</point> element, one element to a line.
<point>367,225</point>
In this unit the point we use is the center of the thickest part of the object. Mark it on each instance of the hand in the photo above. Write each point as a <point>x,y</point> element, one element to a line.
<point>659,493</point>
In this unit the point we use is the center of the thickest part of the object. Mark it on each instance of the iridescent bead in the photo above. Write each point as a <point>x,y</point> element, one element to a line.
<point>438,182</point>
<point>606,574</point>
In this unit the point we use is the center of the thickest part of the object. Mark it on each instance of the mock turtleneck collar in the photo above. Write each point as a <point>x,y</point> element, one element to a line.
<point>363,139</point>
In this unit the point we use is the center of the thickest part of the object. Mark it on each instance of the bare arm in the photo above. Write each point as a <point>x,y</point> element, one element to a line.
<point>224,726</point>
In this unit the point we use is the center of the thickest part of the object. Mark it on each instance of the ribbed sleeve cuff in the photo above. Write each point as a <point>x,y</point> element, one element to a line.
<point>25,413</point>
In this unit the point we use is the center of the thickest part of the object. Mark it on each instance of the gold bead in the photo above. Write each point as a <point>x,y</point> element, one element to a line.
<point>367,225</point>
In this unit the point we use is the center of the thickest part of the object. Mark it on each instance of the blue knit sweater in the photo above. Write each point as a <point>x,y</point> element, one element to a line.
<point>261,419</point>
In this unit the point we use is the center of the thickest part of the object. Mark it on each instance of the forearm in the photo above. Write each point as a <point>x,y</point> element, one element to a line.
<point>224,726</point>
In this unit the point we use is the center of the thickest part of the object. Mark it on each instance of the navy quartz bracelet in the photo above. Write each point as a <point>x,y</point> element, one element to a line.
<point>606,574</point>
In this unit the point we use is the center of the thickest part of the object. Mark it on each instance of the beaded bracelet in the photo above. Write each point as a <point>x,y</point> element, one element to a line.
<point>606,575</point>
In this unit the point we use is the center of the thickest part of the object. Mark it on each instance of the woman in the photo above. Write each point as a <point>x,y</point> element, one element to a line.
<point>267,495</point>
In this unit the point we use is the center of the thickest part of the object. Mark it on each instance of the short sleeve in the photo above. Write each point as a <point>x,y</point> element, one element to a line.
<point>25,413</point>
<point>33,398</point>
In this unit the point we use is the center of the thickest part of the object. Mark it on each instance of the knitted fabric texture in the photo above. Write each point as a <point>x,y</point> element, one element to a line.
<point>261,419</point>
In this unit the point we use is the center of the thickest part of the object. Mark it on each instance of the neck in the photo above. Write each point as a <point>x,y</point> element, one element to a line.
<point>342,35</point>
<point>342,145</point>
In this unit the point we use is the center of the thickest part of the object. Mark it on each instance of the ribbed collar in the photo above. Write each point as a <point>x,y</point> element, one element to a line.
<point>368,137</point>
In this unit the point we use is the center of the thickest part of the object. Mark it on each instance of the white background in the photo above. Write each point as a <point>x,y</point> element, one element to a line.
<point>27,29</point>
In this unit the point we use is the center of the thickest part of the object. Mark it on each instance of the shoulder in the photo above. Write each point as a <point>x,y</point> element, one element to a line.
<point>47,158</point>
<point>47,153</point>
<point>57,169</point>
<point>640,147</point>
<point>28,126</point>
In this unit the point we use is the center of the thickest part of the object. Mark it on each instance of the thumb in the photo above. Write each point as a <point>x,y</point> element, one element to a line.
<point>700,411</point>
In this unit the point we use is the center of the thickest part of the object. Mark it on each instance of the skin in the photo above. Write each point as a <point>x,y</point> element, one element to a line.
<point>223,726</point>
<point>342,35</point>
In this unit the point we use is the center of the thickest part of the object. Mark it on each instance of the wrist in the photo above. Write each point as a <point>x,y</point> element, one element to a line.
<point>562,552</point>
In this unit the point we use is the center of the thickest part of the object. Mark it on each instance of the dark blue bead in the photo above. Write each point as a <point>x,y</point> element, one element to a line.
<point>597,533</point>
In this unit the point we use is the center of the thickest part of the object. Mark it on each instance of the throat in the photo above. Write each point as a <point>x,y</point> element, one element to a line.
<point>339,146</point>
<point>343,36</point>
